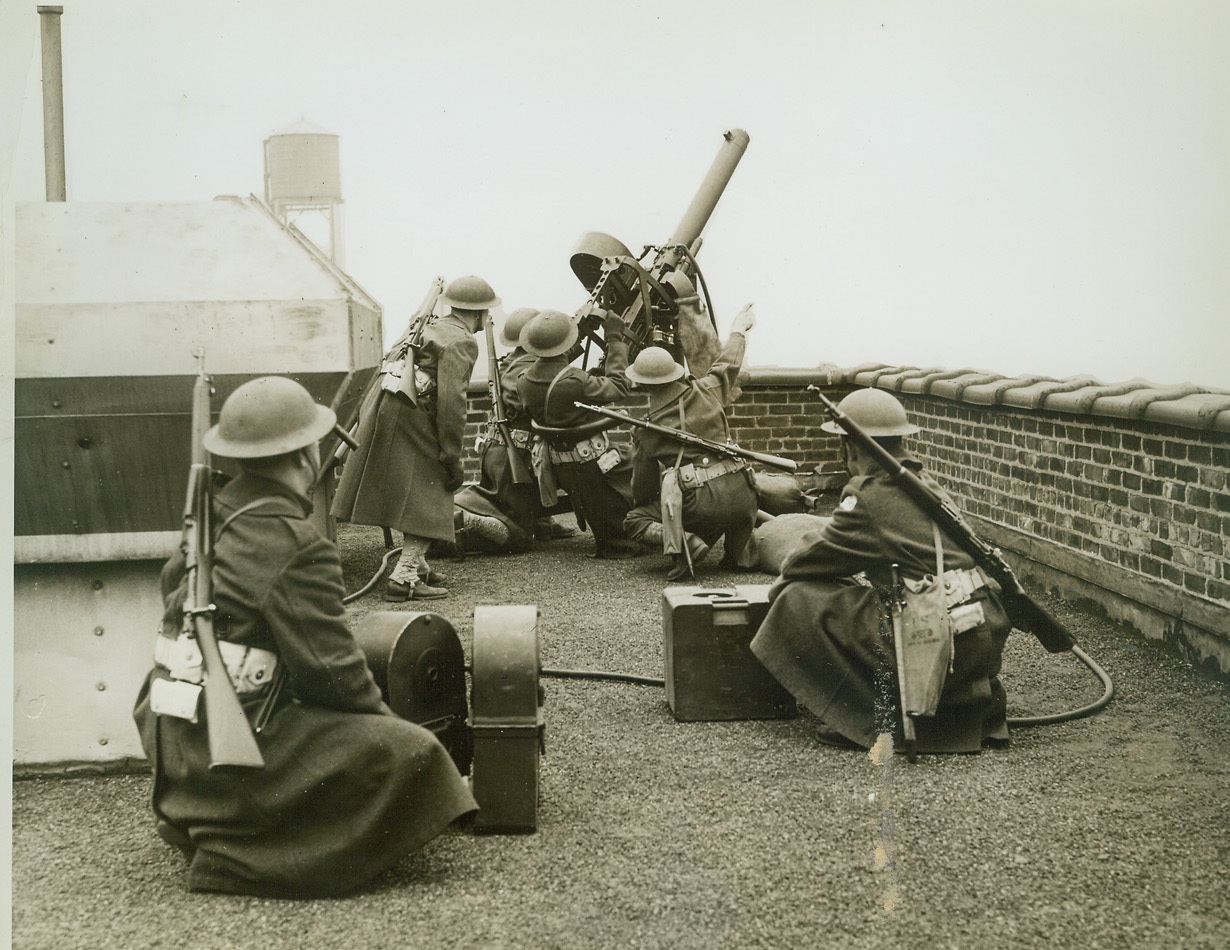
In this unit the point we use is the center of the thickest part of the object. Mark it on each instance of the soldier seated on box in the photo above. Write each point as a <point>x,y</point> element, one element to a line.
<point>687,498</point>
<point>596,474</point>
<point>828,635</point>
<point>348,788</point>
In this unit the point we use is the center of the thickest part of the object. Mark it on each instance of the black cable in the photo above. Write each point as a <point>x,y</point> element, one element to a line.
<point>384,564</point>
<point>605,675</point>
<point>1089,710</point>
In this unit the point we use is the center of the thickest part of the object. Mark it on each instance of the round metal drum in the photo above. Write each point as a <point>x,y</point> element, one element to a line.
<point>417,661</point>
<point>587,256</point>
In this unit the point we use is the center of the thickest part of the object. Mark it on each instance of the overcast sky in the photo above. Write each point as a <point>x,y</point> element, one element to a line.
<point>1019,187</point>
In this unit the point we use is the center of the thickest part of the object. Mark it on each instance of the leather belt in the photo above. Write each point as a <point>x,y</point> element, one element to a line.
<point>693,475</point>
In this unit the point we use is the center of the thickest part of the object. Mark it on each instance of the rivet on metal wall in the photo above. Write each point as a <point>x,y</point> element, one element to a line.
<point>103,741</point>
<point>98,585</point>
<point>98,631</point>
<point>101,687</point>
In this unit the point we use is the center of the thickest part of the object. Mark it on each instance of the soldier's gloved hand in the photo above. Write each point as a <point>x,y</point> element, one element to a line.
<point>744,320</point>
<point>454,476</point>
<point>613,328</point>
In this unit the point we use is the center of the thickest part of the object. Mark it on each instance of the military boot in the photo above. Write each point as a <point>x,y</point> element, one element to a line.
<point>492,533</point>
<point>651,537</point>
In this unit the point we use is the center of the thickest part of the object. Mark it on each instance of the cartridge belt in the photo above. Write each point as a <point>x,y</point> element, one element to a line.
<point>959,585</point>
<point>693,475</point>
<point>250,668</point>
<point>587,450</point>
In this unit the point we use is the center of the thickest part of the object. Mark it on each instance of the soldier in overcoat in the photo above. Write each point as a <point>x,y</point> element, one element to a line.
<point>408,464</point>
<point>707,495</point>
<point>828,634</point>
<point>500,515</point>
<point>348,788</point>
<point>596,474</point>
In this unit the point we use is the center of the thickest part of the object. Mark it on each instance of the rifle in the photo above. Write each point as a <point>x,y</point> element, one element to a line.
<point>499,418</point>
<point>1024,612</point>
<point>397,370</point>
<point>620,284</point>
<point>230,737</point>
<point>722,448</point>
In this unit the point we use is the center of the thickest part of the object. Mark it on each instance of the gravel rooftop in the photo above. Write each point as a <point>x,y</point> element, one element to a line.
<point>1106,831</point>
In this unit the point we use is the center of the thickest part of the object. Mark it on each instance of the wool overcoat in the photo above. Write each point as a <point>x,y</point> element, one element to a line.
<point>348,788</point>
<point>497,495</point>
<point>397,476</point>
<point>828,637</point>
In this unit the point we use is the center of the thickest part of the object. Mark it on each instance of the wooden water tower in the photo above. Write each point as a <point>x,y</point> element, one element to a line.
<point>303,183</point>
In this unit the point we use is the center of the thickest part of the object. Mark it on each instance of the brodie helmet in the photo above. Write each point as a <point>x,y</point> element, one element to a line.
<point>267,416</point>
<point>654,366</point>
<point>470,293</point>
<point>550,333</point>
<point>510,333</point>
<point>876,412</point>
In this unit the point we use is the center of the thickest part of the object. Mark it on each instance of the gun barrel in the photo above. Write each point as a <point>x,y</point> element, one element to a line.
<point>701,209</point>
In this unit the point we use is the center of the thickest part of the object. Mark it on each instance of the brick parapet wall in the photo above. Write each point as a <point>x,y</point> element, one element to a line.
<point>1128,512</point>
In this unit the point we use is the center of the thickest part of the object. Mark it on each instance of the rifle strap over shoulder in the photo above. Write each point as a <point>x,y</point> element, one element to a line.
<point>546,400</point>
<point>243,510</point>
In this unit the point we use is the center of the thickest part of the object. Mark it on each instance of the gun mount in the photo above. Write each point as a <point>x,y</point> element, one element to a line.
<point>647,297</point>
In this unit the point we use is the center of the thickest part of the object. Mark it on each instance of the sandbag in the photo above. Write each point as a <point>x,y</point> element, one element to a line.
<point>776,538</point>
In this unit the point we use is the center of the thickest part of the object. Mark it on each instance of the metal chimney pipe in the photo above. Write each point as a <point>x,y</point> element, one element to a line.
<point>53,104</point>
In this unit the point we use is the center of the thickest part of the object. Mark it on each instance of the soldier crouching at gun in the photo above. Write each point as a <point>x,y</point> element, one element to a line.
<point>596,475</point>
<point>335,788</point>
<point>503,513</point>
<point>687,497</point>
<point>832,634</point>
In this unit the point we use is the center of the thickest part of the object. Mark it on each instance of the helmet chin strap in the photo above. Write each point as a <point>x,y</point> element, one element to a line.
<point>314,467</point>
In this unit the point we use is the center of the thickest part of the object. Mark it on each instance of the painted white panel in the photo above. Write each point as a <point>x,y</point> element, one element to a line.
<point>83,642</point>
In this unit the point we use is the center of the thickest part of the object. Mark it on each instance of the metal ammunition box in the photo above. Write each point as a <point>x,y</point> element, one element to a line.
<point>711,673</point>
<point>506,715</point>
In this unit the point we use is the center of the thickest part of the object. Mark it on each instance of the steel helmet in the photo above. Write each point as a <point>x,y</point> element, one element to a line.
<point>267,416</point>
<point>470,293</point>
<point>510,333</point>
<point>876,412</point>
<point>654,366</point>
<point>550,333</point>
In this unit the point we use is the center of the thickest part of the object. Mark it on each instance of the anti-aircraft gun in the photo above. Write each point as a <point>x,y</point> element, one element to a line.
<point>645,296</point>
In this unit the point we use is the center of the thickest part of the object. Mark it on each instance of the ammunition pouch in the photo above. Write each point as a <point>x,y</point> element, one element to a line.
<point>520,438</point>
<point>250,668</point>
<point>693,475</point>
<point>587,450</point>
